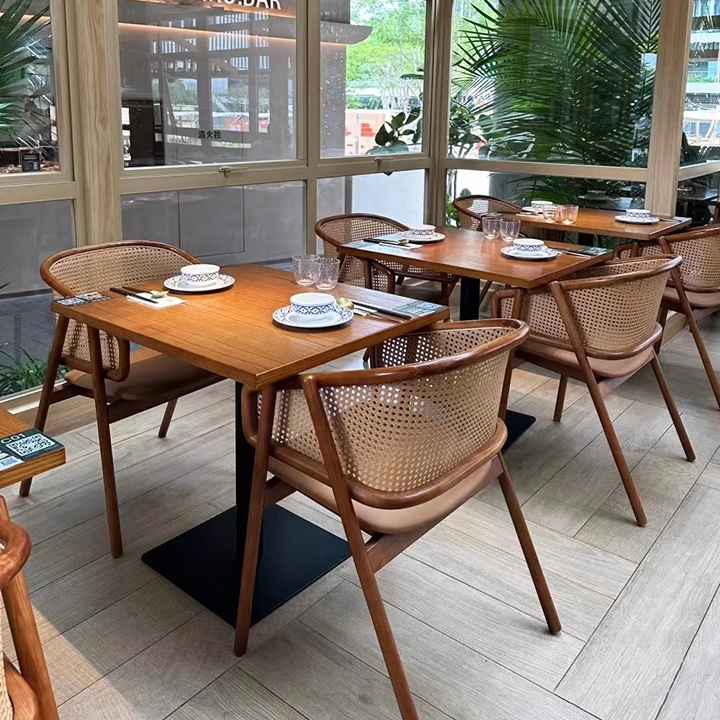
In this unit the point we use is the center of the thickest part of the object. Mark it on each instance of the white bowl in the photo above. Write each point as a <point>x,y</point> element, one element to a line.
<point>541,203</point>
<point>528,245</point>
<point>636,213</point>
<point>312,305</point>
<point>420,231</point>
<point>200,275</point>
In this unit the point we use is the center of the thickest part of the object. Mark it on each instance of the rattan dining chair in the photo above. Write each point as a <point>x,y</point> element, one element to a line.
<point>126,383</point>
<point>694,287</point>
<point>471,209</point>
<point>385,276</point>
<point>599,327</point>
<point>25,694</point>
<point>392,451</point>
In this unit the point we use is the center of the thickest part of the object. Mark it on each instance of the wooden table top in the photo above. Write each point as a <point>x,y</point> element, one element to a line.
<point>9,425</point>
<point>603,222</point>
<point>469,254</point>
<point>232,333</point>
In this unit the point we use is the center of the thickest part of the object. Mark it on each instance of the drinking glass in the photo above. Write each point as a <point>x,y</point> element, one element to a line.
<point>510,230</point>
<point>550,213</point>
<point>568,214</point>
<point>303,268</point>
<point>326,272</point>
<point>491,227</point>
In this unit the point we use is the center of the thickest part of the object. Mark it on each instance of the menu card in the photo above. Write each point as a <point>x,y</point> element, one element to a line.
<point>418,308</point>
<point>26,445</point>
<point>83,299</point>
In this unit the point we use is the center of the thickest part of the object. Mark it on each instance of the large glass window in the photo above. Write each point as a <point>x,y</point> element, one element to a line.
<point>207,82</point>
<point>31,232</point>
<point>28,130</point>
<point>563,82</point>
<point>701,123</point>
<point>225,226</point>
<point>373,55</point>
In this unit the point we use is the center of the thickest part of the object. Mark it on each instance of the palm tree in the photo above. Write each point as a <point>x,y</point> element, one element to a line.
<point>561,81</point>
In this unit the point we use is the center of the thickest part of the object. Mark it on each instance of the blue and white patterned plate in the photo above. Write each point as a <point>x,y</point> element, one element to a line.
<point>177,284</point>
<point>287,318</point>
<point>545,254</point>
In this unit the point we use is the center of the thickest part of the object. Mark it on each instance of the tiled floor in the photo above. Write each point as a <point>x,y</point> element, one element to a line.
<point>640,609</point>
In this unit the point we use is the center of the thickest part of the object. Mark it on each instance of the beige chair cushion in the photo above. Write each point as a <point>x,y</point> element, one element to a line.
<point>701,300</point>
<point>393,522</point>
<point>602,368</point>
<point>152,376</point>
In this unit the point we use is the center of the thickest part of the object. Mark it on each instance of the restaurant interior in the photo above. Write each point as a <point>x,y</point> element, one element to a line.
<point>359,359</point>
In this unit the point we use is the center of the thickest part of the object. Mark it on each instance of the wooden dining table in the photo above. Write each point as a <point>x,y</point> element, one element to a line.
<point>232,333</point>
<point>472,256</point>
<point>15,430</point>
<point>602,222</point>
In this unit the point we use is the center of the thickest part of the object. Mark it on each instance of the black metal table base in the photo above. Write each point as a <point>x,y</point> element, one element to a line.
<point>202,561</point>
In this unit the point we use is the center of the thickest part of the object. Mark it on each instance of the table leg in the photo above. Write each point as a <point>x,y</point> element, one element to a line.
<point>205,562</point>
<point>469,298</point>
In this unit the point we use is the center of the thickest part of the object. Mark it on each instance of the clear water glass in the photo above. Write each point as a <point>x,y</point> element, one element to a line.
<point>550,213</point>
<point>304,269</point>
<point>491,227</point>
<point>568,214</point>
<point>326,272</point>
<point>510,230</point>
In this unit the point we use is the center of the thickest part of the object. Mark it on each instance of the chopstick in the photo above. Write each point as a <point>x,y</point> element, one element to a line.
<point>374,308</point>
<point>135,295</point>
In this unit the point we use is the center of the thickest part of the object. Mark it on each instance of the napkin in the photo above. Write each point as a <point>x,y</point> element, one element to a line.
<point>159,303</point>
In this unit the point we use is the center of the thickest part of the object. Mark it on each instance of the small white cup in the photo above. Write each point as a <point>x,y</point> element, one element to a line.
<point>637,213</point>
<point>528,245</point>
<point>312,306</point>
<point>200,275</point>
<point>420,231</point>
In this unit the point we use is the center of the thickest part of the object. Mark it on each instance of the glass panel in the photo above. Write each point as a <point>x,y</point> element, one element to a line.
<point>522,188</point>
<point>400,196</point>
<point>207,83</point>
<point>560,82</point>
<point>252,223</point>
<point>31,233</point>
<point>28,129</point>
<point>373,52</point>
<point>701,125</point>
<point>698,198</point>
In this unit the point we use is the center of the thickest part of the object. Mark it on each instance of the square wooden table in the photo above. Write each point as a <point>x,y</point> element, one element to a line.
<point>10,425</point>
<point>232,333</point>
<point>603,222</point>
<point>473,257</point>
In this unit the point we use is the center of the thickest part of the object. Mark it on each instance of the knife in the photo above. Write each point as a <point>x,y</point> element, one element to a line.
<point>135,295</point>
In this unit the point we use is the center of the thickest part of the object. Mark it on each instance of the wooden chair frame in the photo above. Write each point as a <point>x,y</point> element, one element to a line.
<point>30,690</point>
<point>371,556</point>
<point>392,277</point>
<point>598,386</point>
<point>106,413</point>
<point>683,304</point>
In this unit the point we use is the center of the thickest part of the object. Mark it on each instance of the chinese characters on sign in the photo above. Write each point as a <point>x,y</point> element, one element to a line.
<point>209,135</point>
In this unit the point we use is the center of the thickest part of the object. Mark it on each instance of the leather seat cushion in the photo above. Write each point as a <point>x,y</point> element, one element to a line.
<point>701,300</point>
<point>152,375</point>
<point>377,520</point>
<point>602,368</point>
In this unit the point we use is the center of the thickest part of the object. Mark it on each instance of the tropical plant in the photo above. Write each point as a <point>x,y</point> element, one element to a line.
<point>392,135</point>
<point>18,376</point>
<point>561,81</point>
<point>20,48</point>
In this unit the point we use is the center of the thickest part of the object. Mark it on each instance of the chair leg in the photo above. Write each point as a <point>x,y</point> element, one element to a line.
<point>255,517</point>
<point>616,451</point>
<point>528,548</point>
<point>704,357</point>
<point>106,454</point>
<point>167,419</point>
<point>48,387</point>
<point>672,408</point>
<point>485,291</point>
<point>560,402</point>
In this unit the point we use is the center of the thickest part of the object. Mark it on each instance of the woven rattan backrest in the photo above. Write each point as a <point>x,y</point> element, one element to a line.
<point>471,209</point>
<point>97,268</point>
<point>339,230</point>
<point>398,435</point>
<point>700,251</point>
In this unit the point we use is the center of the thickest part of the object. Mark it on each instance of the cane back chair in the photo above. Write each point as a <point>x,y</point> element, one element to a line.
<point>122,383</point>
<point>599,327</point>
<point>27,694</point>
<point>385,276</point>
<point>471,209</point>
<point>392,451</point>
<point>694,287</point>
